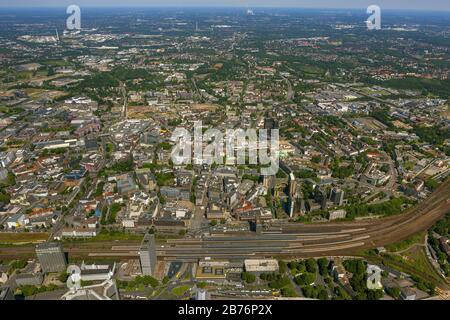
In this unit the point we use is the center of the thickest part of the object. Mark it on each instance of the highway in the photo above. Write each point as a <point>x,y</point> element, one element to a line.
<point>282,239</point>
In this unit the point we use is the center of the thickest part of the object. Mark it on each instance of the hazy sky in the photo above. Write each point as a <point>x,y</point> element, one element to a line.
<point>438,5</point>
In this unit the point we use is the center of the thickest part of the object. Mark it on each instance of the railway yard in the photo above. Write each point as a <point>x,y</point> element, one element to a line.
<point>281,239</point>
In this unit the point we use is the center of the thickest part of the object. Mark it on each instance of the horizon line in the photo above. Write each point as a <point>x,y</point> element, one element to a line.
<point>206,6</point>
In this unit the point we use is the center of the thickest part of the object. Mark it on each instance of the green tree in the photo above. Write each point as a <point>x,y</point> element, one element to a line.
<point>282,266</point>
<point>305,279</point>
<point>323,266</point>
<point>311,266</point>
<point>394,292</point>
<point>248,277</point>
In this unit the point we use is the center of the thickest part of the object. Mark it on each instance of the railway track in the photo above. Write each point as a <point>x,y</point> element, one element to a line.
<point>294,240</point>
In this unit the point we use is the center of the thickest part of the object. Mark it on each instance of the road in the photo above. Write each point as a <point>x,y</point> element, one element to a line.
<point>290,94</point>
<point>283,239</point>
<point>123,89</point>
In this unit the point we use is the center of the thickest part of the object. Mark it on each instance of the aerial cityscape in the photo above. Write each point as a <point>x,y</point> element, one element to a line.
<point>224,153</point>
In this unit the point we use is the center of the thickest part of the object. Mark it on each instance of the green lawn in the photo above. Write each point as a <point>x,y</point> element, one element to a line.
<point>181,290</point>
<point>415,239</point>
<point>414,262</point>
<point>23,237</point>
<point>417,258</point>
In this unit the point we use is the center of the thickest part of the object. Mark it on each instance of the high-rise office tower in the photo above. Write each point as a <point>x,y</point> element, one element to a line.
<point>337,196</point>
<point>270,122</point>
<point>321,198</point>
<point>269,182</point>
<point>291,206</point>
<point>292,186</point>
<point>201,295</point>
<point>147,255</point>
<point>293,194</point>
<point>51,257</point>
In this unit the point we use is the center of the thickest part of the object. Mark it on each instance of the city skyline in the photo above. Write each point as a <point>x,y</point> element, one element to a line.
<point>433,5</point>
